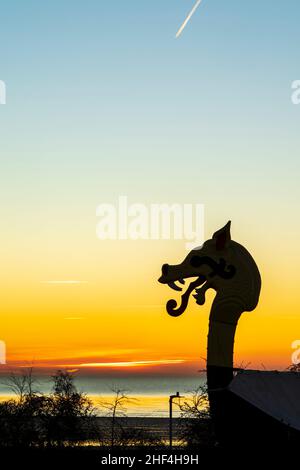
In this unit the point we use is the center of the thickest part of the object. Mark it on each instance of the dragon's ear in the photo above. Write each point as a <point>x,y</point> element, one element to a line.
<point>222,237</point>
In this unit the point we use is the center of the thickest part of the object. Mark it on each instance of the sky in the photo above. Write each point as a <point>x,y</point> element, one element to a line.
<point>103,101</point>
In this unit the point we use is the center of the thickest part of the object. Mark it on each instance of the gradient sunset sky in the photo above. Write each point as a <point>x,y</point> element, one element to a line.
<point>103,101</point>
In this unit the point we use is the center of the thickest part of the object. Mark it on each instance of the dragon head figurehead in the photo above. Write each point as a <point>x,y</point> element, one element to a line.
<point>220,264</point>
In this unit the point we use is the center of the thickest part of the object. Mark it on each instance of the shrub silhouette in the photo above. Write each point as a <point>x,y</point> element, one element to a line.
<point>196,423</point>
<point>33,419</point>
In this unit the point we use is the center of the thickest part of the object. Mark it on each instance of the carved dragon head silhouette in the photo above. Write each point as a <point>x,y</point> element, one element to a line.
<point>220,264</point>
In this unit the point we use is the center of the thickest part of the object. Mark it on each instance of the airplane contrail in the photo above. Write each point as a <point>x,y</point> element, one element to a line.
<point>188,18</point>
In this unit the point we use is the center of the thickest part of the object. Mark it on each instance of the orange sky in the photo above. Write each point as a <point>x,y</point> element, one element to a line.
<point>117,315</point>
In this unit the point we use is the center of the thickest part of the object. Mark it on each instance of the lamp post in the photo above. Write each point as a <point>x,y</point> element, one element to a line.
<point>171,416</point>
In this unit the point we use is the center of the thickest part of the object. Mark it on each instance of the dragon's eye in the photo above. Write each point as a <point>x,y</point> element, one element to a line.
<point>195,261</point>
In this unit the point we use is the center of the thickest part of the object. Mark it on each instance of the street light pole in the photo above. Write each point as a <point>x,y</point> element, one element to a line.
<point>171,416</point>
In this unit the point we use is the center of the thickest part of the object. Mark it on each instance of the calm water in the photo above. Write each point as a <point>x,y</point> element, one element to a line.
<point>151,393</point>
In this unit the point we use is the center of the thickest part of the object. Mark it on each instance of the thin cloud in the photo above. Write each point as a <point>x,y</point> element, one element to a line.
<point>143,306</point>
<point>66,281</point>
<point>74,318</point>
<point>131,363</point>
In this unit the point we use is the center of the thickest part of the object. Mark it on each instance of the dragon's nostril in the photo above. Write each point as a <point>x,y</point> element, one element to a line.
<point>165,269</point>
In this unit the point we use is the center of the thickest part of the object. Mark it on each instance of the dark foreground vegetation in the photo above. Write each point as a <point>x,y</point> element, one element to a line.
<point>66,418</point>
<point>64,429</point>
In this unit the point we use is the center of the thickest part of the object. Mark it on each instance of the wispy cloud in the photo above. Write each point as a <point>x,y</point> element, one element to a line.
<point>66,281</point>
<point>131,363</point>
<point>188,18</point>
<point>74,318</point>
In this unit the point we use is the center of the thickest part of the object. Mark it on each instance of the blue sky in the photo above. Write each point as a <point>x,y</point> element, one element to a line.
<point>102,101</point>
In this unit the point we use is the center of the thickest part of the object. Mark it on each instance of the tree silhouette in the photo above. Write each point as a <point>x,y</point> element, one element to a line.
<point>116,408</point>
<point>65,417</point>
<point>72,411</point>
<point>197,428</point>
<point>22,383</point>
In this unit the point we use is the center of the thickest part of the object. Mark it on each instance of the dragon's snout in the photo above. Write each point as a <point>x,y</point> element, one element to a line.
<point>165,269</point>
<point>209,264</point>
<point>174,274</point>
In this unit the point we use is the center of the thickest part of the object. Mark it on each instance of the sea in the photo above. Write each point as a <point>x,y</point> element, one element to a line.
<point>147,396</point>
